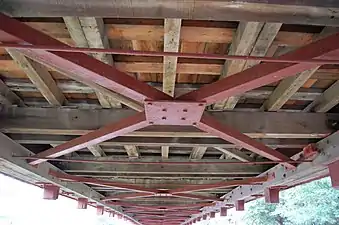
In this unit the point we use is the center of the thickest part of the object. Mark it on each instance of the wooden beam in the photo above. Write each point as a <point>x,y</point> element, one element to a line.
<point>96,150</point>
<point>235,154</point>
<point>291,12</point>
<point>134,169</point>
<point>171,44</point>
<point>40,77</point>
<point>198,152</point>
<point>289,86</point>
<point>242,44</point>
<point>132,151</point>
<point>164,152</point>
<point>160,141</point>
<point>8,97</point>
<point>79,122</point>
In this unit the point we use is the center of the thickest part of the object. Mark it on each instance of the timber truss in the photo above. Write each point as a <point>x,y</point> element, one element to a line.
<point>162,109</point>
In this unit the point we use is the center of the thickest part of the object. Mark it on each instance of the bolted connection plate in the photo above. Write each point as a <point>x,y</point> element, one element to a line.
<point>173,113</point>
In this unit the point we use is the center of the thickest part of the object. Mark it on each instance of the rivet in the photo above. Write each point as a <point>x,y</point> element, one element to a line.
<point>164,110</point>
<point>163,118</point>
<point>149,103</point>
<point>183,118</point>
<point>184,110</point>
<point>194,123</point>
<point>151,122</point>
<point>201,104</point>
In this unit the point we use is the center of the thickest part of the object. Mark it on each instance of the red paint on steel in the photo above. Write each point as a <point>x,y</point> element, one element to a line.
<point>272,195</point>
<point>51,192</point>
<point>158,53</point>
<point>333,169</point>
<point>173,112</point>
<point>212,214</point>
<point>196,197</point>
<point>110,131</point>
<point>239,205</point>
<point>223,211</point>
<point>212,126</point>
<point>128,196</point>
<point>310,151</point>
<point>100,210</point>
<point>79,64</point>
<point>266,73</point>
<point>82,203</point>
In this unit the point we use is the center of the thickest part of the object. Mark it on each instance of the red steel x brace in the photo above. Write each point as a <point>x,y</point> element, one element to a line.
<point>159,108</point>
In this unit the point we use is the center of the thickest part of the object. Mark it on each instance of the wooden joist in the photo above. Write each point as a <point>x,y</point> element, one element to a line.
<point>8,97</point>
<point>290,12</point>
<point>40,77</point>
<point>132,151</point>
<point>237,154</point>
<point>171,44</point>
<point>198,152</point>
<point>164,152</point>
<point>78,122</point>
<point>96,150</point>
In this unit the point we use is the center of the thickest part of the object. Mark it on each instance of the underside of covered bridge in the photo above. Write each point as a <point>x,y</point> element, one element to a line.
<point>169,111</point>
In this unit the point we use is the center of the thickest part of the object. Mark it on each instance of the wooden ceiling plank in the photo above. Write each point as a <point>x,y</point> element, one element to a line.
<point>97,151</point>
<point>132,151</point>
<point>235,154</point>
<point>8,97</point>
<point>171,44</point>
<point>94,31</point>
<point>164,152</point>
<point>198,152</point>
<point>40,77</point>
<point>289,86</point>
<point>242,44</point>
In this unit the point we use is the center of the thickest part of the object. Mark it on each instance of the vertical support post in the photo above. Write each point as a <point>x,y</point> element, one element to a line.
<point>199,219</point>
<point>82,203</point>
<point>51,192</point>
<point>194,220</point>
<point>240,205</point>
<point>204,217</point>
<point>111,214</point>
<point>223,211</point>
<point>334,175</point>
<point>119,216</point>
<point>212,214</point>
<point>272,195</point>
<point>100,210</point>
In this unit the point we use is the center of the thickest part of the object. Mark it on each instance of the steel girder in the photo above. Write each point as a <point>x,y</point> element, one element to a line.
<point>161,109</point>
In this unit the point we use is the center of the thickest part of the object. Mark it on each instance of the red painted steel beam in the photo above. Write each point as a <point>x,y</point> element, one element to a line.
<point>212,126</point>
<point>161,207</point>
<point>266,73</point>
<point>159,53</point>
<point>225,184</point>
<point>82,65</point>
<point>110,131</point>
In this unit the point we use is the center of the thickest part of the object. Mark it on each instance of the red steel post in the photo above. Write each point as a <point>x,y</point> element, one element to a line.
<point>333,169</point>
<point>239,205</point>
<point>212,214</point>
<point>82,203</point>
<point>100,210</point>
<point>272,195</point>
<point>223,211</point>
<point>51,192</point>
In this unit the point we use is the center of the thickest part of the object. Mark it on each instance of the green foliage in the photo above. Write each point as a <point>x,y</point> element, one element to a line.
<point>315,203</point>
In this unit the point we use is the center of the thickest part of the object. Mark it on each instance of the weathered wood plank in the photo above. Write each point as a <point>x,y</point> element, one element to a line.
<point>96,150</point>
<point>134,169</point>
<point>40,77</point>
<point>198,152</point>
<point>8,97</point>
<point>164,152</point>
<point>132,151</point>
<point>235,154</point>
<point>78,122</point>
<point>159,141</point>
<point>171,44</point>
<point>242,44</point>
<point>292,12</point>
